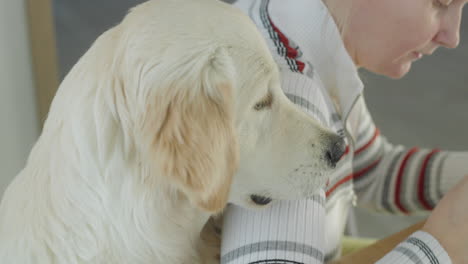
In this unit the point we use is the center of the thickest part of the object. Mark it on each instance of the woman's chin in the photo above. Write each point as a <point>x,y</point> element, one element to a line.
<point>396,71</point>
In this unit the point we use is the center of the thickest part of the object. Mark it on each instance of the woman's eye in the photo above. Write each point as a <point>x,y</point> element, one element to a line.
<point>439,4</point>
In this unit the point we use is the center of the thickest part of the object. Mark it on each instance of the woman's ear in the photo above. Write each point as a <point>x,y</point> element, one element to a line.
<point>187,127</point>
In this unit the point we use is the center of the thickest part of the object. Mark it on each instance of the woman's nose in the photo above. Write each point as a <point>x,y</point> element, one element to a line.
<point>448,39</point>
<point>449,33</point>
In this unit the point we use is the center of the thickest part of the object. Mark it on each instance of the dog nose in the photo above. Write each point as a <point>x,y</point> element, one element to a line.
<point>336,150</point>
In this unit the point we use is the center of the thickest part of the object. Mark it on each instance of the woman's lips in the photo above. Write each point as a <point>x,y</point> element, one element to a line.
<point>417,55</point>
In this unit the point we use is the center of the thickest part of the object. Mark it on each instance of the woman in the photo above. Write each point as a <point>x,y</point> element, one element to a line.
<point>319,46</point>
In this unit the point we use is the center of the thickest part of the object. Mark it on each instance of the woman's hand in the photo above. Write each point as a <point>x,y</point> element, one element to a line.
<point>448,223</point>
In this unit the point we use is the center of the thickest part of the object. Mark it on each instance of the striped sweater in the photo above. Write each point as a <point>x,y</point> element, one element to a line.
<point>320,77</point>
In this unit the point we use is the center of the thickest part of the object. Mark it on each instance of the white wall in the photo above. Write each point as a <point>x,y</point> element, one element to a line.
<point>19,125</point>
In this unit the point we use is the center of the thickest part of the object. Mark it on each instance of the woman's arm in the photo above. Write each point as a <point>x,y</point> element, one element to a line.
<point>398,179</point>
<point>442,239</point>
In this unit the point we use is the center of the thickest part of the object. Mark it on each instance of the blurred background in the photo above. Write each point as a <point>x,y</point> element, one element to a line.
<point>41,40</point>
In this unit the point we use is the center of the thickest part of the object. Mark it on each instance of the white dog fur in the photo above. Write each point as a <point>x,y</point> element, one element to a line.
<point>145,136</point>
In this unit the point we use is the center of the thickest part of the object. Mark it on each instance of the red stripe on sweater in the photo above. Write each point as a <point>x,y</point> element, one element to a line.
<point>399,179</point>
<point>368,144</point>
<point>345,153</point>
<point>345,179</point>
<point>422,176</point>
<point>290,51</point>
<point>342,180</point>
<point>300,65</point>
<point>366,169</point>
<point>352,176</point>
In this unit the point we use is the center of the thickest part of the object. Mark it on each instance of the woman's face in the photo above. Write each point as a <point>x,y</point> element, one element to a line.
<point>386,36</point>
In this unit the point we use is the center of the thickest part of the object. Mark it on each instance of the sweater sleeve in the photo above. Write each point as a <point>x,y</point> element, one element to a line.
<point>293,232</point>
<point>285,232</point>
<point>420,247</point>
<point>399,179</point>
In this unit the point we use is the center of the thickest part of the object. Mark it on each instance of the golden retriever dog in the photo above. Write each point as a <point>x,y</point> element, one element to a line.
<point>169,116</point>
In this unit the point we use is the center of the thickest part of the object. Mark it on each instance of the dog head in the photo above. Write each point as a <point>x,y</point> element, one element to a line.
<point>210,115</point>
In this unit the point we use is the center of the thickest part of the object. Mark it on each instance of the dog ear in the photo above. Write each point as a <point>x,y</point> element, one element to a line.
<point>188,124</point>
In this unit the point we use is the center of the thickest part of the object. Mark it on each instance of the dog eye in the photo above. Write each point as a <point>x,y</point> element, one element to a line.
<point>264,103</point>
